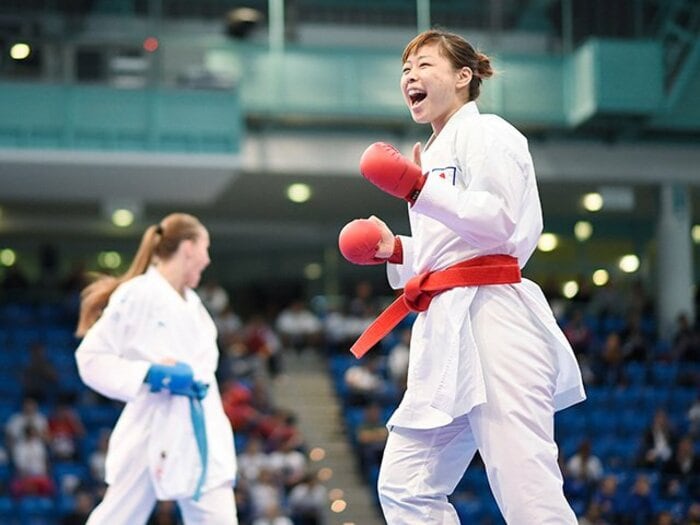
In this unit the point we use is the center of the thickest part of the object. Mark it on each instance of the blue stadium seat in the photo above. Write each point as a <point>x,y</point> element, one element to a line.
<point>69,475</point>
<point>603,421</point>
<point>8,513</point>
<point>664,374</point>
<point>36,510</point>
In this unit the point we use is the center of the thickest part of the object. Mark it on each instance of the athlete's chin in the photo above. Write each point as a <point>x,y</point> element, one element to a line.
<point>193,281</point>
<point>419,117</point>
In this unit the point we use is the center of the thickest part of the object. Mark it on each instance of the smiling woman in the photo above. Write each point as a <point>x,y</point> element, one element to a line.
<point>488,364</point>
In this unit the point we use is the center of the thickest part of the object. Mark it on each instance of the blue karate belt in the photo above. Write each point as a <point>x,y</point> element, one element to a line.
<point>200,431</point>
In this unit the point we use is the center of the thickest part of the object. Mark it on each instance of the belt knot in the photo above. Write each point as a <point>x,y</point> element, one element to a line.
<point>414,296</point>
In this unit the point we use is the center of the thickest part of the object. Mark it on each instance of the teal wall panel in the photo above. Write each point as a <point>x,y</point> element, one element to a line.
<point>601,79</point>
<point>614,77</point>
<point>104,118</point>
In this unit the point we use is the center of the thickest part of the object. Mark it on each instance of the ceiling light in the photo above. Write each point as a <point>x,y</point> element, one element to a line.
<point>601,277</point>
<point>313,271</point>
<point>629,263</point>
<point>20,51</point>
<point>583,230</point>
<point>111,260</point>
<point>122,217</point>
<point>695,233</point>
<point>8,257</point>
<point>298,192</point>
<point>548,242</point>
<point>569,289</point>
<point>592,201</point>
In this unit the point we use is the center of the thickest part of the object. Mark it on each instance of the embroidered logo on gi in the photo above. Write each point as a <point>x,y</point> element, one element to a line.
<point>449,173</point>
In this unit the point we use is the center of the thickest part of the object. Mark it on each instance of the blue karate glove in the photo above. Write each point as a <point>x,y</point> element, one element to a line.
<point>177,378</point>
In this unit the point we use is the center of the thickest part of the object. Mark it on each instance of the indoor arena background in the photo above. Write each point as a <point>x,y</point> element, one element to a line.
<point>253,116</point>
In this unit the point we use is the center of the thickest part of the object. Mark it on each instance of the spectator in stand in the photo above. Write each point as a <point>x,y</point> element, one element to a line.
<point>608,499</point>
<point>363,303</point>
<point>640,503</point>
<point>658,441</point>
<point>281,428</point>
<point>610,368</point>
<point>273,516</point>
<point>97,458</point>
<point>236,399</point>
<point>335,330</point>
<point>29,415</point>
<point>262,340</point>
<point>607,302</point>
<point>214,297</point>
<point>585,467</point>
<point>692,516</point>
<point>31,460</point>
<point>665,517</point>
<point>39,376</point>
<point>298,327</point>
<point>364,382</point>
<point>84,503</point>
<point>694,419</point>
<point>265,492</point>
<point>65,429</point>
<point>635,344</point>
<point>681,473</point>
<point>638,301</point>
<point>288,463</point>
<point>686,340</point>
<point>238,363</point>
<point>228,323</point>
<point>593,516</point>
<point>252,460</point>
<point>578,333</point>
<point>307,501</point>
<point>397,361</point>
<point>371,436</point>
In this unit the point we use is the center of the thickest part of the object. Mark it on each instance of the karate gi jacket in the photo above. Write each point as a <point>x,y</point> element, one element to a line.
<point>145,322</point>
<point>480,198</point>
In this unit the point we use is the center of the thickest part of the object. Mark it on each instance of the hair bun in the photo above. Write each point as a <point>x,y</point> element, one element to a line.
<point>483,68</point>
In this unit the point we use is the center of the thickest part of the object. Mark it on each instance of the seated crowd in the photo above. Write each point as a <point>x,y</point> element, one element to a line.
<point>630,454</point>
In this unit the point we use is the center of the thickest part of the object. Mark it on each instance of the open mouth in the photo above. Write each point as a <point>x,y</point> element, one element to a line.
<point>416,96</point>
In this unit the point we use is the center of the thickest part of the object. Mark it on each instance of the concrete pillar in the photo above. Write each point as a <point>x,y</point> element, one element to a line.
<point>674,257</point>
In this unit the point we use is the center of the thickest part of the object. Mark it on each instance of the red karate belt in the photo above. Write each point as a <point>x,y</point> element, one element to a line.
<point>420,290</point>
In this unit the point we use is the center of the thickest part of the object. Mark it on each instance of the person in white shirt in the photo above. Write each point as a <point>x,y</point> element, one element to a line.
<point>488,365</point>
<point>150,342</point>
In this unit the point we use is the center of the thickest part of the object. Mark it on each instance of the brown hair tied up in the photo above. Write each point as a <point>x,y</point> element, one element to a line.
<point>459,52</point>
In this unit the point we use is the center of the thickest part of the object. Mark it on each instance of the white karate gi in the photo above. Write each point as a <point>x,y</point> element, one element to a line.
<point>152,451</point>
<point>488,365</point>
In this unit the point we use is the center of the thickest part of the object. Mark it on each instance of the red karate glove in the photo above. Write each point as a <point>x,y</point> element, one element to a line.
<point>385,167</point>
<point>359,240</point>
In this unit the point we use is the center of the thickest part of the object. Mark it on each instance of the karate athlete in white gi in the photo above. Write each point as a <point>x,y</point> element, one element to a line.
<point>488,364</point>
<point>150,342</point>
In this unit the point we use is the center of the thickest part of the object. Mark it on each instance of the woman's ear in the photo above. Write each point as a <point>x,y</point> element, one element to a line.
<point>464,77</point>
<point>186,247</point>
